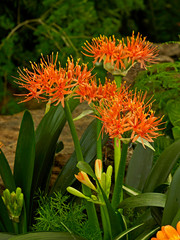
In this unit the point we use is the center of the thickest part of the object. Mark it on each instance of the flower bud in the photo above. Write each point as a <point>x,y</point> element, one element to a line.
<point>98,168</point>
<point>14,203</point>
<point>83,178</point>
<point>77,193</point>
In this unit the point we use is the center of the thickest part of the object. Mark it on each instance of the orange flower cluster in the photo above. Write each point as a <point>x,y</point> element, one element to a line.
<point>168,233</point>
<point>92,91</point>
<point>119,54</point>
<point>49,83</point>
<point>127,113</point>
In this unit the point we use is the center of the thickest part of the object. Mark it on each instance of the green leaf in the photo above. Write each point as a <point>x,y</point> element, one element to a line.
<point>6,173</point>
<point>4,217</point>
<point>88,146</point>
<point>46,235</point>
<point>139,167</point>
<point>83,114</point>
<point>143,200</point>
<point>173,109</point>
<point>24,158</point>
<point>84,166</point>
<point>147,234</point>
<point>131,191</point>
<point>176,132</point>
<point>124,233</point>
<point>173,200</point>
<point>47,135</point>
<point>163,167</point>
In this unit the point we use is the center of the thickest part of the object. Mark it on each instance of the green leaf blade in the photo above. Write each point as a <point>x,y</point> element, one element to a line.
<point>24,158</point>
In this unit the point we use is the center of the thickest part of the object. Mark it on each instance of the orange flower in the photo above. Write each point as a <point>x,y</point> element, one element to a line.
<point>127,113</point>
<point>168,233</point>
<point>141,51</point>
<point>49,83</point>
<point>91,91</point>
<point>1,145</point>
<point>121,55</point>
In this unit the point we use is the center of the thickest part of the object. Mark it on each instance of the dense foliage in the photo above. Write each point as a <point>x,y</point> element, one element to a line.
<point>29,28</point>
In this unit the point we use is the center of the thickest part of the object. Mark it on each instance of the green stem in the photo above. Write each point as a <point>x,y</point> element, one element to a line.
<point>16,228</point>
<point>117,155</point>
<point>91,211</point>
<point>117,193</point>
<point>118,80</point>
<point>69,118</point>
<point>99,140</point>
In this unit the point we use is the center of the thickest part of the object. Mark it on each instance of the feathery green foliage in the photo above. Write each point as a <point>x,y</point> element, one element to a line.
<point>57,214</point>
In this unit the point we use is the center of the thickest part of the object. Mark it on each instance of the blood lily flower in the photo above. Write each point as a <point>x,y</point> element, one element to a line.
<point>128,115</point>
<point>51,83</point>
<point>168,233</point>
<point>120,55</point>
<point>92,91</point>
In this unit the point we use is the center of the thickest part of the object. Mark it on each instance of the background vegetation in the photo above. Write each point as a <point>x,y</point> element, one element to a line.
<point>29,28</point>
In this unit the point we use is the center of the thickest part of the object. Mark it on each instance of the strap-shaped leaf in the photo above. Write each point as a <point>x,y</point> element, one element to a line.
<point>143,200</point>
<point>6,173</point>
<point>124,233</point>
<point>46,235</point>
<point>163,167</point>
<point>88,146</point>
<point>4,217</point>
<point>173,200</point>
<point>139,167</point>
<point>24,158</point>
<point>47,135</point>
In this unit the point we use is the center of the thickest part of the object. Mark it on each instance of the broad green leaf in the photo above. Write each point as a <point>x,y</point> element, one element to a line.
<point>173,110</point>
<point>85,167</point>
<point>139,167</point>
<point>124,233</point>
<point>176,132</point>
<point>130,191</point>
<point>173,200</point>
<point>176,219</point>
<point>148,225</point>
<point>83,114</point>
<point>163,167</point>
<point>46,235</point>
<point>88,146</point>
<point>47,134</point>
<point>147,234</point>
<point>4,217</point>
<point>6,173</point>
<point>24,158</point>
<point>143,200</point>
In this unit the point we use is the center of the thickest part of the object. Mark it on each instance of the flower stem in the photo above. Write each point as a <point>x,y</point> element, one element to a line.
<point>91,211</point>
<point>16,228</point>
<point>99,140</point>
<point>117,155</point>
<point>117,194</point>
<point>118,80</point>
<point>73,131</point>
